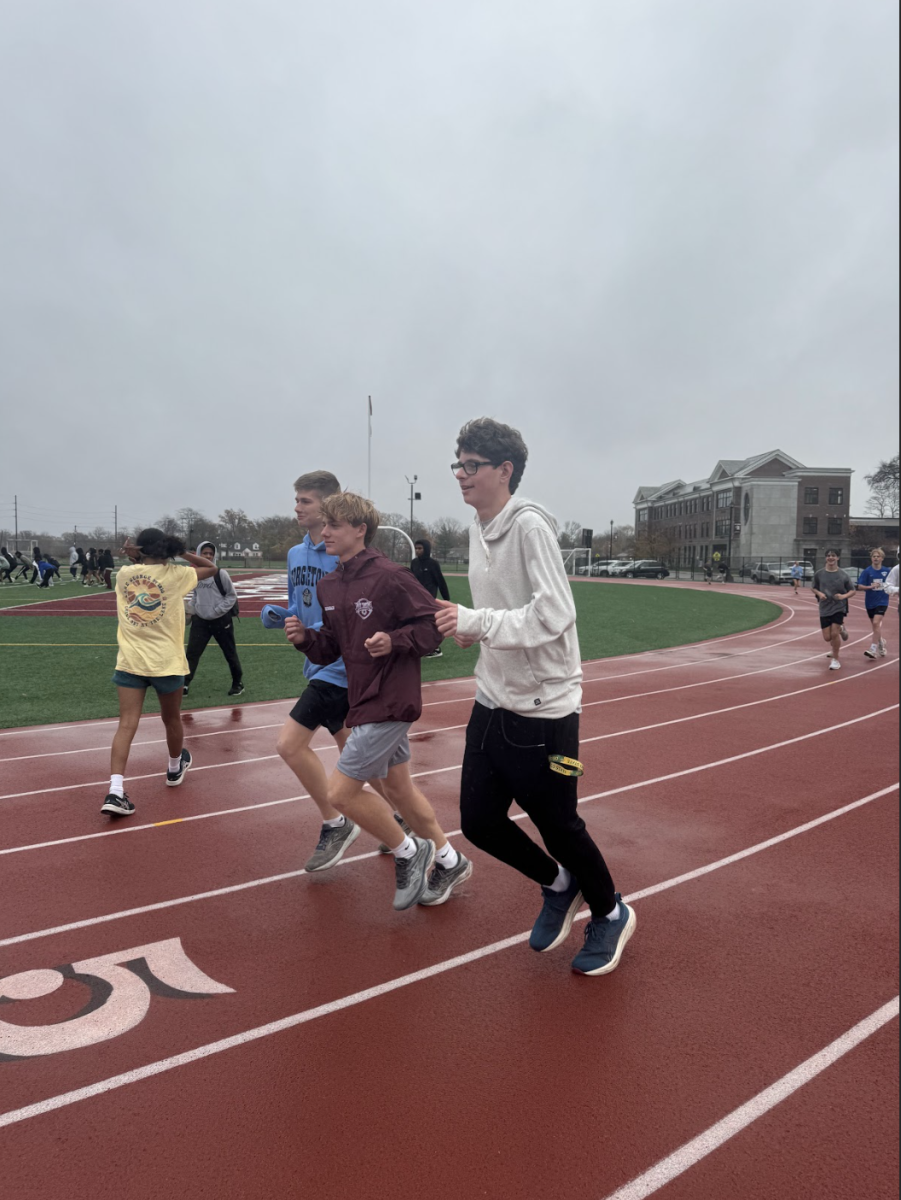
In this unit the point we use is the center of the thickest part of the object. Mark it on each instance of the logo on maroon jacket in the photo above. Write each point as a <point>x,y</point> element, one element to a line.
<point>364,608</point>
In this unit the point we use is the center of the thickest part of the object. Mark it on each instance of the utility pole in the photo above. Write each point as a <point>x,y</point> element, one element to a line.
<point>611,541</point>
<point>16,508</point>
<point>369,453</point>
<point>115,524</point>
<point>414,495</point>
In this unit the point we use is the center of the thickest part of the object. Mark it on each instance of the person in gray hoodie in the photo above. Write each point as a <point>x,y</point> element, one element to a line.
<point>215,605</point>
<point>522,742</point>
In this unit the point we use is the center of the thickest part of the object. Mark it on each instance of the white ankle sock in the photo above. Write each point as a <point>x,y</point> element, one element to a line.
<point>614,915</point>
<point>117,785</point>
<point>337,823</point>
<point>563,880</point>
<point>406,849</point>
<point>448,857</point>
<point>175,763</point>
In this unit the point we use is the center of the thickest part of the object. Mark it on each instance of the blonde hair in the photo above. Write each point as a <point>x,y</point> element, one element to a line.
<point>877,550</point>
<point>355,510</point>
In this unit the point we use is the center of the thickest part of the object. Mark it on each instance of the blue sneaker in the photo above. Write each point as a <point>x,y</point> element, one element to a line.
<point>605,942</point>
<point>556,918</point>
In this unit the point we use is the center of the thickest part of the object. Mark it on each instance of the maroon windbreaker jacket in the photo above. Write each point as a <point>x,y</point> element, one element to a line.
<point>368,595</point>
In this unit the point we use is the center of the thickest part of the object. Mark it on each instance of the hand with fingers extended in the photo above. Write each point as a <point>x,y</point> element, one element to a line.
<point>295,631</point>
<point>379,645</point>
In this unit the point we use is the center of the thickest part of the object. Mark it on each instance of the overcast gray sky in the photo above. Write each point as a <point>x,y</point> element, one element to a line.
<point>649,234</point>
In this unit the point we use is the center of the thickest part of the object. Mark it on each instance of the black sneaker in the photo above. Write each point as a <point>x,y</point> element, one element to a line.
<point>435,654</point>
<point>236,689</point>
<point>174,778</point>
<point>117,806</point>
<point>185,690</point>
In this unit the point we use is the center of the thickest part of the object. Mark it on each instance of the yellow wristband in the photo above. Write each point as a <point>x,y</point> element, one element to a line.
<point>565,766</point>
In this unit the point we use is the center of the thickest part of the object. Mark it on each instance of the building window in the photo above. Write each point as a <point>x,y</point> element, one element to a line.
<point>722,528</point>
<point>836,496</point>
<point>835,525</point>
<point>724,499</point>
<point>747,507</point>
<point>811,495</point>
<point>811,525</point>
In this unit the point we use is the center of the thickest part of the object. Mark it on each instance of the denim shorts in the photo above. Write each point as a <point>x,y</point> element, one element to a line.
<point>162,684</point>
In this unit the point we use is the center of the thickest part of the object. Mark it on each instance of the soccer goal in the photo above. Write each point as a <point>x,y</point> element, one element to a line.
<point>577,561</point>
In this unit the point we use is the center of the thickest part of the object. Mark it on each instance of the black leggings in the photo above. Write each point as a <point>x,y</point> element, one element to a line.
<point>223,630</point>
<point>506,760</point>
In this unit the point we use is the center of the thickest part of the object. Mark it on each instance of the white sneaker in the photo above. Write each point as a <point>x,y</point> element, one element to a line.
<point>844,633</point>
<point>835,665</point>
<point>883,649</point>
<point>872,652</point>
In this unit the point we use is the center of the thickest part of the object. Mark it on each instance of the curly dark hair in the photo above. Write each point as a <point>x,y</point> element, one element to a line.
<point>496,442</point>
<point>153,543</point>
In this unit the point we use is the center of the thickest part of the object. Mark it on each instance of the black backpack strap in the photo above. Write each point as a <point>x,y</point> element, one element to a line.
<point>219,584</point>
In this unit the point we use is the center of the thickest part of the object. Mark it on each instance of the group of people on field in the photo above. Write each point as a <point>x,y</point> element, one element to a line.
<point>363,623</point>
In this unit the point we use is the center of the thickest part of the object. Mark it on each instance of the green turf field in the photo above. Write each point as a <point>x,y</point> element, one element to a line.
<point>59,668</point>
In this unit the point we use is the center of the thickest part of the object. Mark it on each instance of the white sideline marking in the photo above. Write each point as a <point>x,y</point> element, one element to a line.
<point>717,1135</point>
<point>86,837</point>
<point>383,989</point>
<point>432,683</point>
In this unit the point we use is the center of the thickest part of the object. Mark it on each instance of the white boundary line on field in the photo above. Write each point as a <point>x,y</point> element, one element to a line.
<point>717,1135</point>
<point>251,1035</point>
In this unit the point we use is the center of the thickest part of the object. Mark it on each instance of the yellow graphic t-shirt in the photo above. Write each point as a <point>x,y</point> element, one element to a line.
<point>150,602</point>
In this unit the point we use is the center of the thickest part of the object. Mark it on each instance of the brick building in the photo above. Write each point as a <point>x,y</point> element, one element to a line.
<point>763,508</point>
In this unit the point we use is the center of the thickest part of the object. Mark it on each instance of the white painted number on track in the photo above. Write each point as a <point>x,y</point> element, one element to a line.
<point>120,985</point>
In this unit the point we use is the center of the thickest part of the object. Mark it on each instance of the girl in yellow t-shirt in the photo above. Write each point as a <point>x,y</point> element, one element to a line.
<point>150,602</point>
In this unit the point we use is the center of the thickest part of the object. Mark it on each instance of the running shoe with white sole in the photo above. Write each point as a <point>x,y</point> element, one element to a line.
<point>556,917</point>
<point>883,649</point>
<point>872,652</point>
<point>605,942</point>
<point>443,880</point>
<point>174,778</point>
<point>844,633</point>
<point>412,874</point>
<point>835,665</point>
<point>117,806</point>
<point>333,845</point>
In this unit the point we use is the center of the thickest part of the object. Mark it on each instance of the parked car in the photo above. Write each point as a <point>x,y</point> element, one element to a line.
<point>645,568</point>
<point>619,568</point>
<point>603,567</point>
<point>779,572</point>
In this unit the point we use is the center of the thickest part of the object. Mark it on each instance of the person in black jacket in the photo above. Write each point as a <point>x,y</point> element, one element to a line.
<point>430,575</point>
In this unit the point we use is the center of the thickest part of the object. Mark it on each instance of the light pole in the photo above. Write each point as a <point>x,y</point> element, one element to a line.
<point>414,495</point>
<point>611,541</point>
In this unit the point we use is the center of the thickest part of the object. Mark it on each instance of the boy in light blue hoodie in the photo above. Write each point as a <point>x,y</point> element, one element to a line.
<point>324,700</point>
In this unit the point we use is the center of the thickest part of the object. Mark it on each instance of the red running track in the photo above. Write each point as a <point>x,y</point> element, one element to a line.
<point>747,802</point>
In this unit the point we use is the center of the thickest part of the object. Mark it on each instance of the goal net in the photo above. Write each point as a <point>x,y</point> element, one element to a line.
<point>577,561</point>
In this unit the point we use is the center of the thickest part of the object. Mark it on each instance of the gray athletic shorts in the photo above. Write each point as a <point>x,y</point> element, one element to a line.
<point>372,750</point>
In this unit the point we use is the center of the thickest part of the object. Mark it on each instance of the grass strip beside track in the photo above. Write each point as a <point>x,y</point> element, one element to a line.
<point>59,669</point>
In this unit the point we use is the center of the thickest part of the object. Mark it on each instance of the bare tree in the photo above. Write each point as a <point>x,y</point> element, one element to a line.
<point>234,526</point>
<point>570,535</point>
<point>446,534</point>
<point>884,490</point>
<point>169,525</point>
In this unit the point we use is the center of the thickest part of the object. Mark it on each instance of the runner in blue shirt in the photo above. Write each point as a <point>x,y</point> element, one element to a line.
<point>797,576</point>
<point>324,700</point>
<point>872,580</point>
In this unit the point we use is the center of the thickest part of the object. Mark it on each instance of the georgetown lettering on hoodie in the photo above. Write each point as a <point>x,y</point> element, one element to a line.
<point>523,614</point>
<point>307,565</point>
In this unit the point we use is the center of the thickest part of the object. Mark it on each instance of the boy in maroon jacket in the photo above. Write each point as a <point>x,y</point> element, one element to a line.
<point>381,621</point>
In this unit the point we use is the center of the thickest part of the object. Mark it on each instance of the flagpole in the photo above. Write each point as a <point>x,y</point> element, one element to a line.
<point>369,485</point>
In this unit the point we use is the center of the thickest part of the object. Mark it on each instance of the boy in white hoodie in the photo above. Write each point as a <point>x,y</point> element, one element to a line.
<point>522,743</point>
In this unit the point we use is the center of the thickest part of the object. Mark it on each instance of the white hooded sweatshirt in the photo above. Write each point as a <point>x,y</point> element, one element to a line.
<point>524,616</point>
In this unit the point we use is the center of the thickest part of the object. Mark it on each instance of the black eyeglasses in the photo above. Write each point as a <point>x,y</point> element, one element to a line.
<point>471,466</point>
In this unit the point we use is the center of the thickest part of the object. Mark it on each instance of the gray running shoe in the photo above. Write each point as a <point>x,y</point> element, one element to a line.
<point>844,633</point>
<point>333,844</point>
<point>383,849</point>
<point>443,880</point>
<point>412,874</point>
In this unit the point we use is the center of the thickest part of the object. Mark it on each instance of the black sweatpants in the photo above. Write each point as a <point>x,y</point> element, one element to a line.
<point>223,630</point>
<point>507,760</point>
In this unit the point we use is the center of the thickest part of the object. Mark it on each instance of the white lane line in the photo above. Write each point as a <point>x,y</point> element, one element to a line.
<point>238,762</point>
<point>149,742</point>
<point>224,812</point>
<point>323,1010</point>
<point>254,883</point>
<point>717,1135</point>
<point>433,683</point>
<point>86,837</point>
